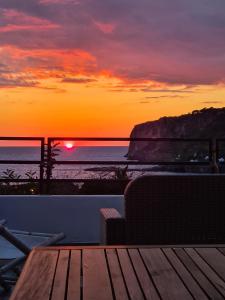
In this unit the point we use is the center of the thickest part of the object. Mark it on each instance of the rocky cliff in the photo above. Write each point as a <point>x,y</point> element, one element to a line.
<point>205,123</point>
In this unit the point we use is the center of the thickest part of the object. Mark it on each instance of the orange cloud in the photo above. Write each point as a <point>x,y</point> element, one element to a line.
<point>25,67</point>
<point>9,28</point>
<point>29,67</point>
<point>48,60</point>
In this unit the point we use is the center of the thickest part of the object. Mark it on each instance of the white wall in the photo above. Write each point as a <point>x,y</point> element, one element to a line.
<point>77,216</point>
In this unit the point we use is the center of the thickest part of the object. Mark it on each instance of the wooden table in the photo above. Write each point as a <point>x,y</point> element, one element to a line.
<point>123,273</point>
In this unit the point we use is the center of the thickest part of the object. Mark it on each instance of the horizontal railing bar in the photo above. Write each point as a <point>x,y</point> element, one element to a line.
<point>63,180</point>
<point>19,180</point>
<point>126,139</point>
<point>87,180</point>
<point>103,162</point>
<point>7,138</point>
<point>25,162</point>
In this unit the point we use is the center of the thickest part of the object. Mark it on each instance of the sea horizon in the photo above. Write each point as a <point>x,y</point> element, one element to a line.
<point>82,153</point>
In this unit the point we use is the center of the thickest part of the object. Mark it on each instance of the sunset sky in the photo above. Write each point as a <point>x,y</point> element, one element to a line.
<point>98,67</point>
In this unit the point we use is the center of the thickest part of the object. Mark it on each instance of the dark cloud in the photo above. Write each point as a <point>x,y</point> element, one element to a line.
<point>144,102</point>
<point>52,89</point>
<point>16,82</point>
<point>78,80</point>
<point>153,88</point>
<point>176,41</point>
<point>180,91</point>
<point>4,69</point>
<point>212,102</point>
<point>164,97</point>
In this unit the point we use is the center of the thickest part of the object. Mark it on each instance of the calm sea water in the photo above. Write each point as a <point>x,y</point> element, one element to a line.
<point>104,153</point>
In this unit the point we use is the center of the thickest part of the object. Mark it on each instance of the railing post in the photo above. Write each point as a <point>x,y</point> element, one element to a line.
<point>217,149</point>
<point>48,165</point>
<point>213,156</point>
<point>41,182</point>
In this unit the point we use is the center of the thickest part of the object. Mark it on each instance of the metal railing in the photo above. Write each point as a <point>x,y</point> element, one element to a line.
<point>39,162</point>
<point>46,163</point>
<point>217,144</point>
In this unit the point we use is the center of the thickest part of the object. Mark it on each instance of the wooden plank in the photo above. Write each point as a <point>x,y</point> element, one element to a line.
<point>116,275</point>
<point>200,277</point>
<point>130,278</point>
<point>36,280</point>
<point>145,281</point>
<point>74,280</point>
<point>188,280</point>
<point>216,260</point>
<point>222,250</point>
<point>59,284</point>
<point>165,278</point>
<point>96,281</point>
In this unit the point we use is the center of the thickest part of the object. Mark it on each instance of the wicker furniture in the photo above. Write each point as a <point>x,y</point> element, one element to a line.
<point>169,209</point>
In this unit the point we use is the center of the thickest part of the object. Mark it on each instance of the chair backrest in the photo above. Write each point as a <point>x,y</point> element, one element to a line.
<point>175,209</point>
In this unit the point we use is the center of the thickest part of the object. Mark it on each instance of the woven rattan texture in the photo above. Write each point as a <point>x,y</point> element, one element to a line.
<point>175,209</point>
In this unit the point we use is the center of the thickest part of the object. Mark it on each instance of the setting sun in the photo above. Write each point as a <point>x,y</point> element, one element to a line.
<point>69,145</point>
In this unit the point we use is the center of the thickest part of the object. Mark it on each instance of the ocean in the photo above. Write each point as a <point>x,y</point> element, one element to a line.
<point>90,153</point>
